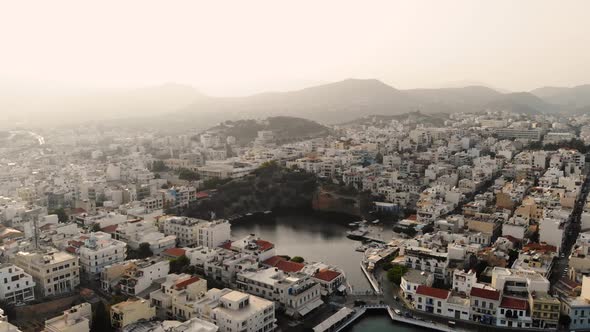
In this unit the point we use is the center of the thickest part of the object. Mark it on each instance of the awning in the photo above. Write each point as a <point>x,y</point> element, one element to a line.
<point>310,306</point>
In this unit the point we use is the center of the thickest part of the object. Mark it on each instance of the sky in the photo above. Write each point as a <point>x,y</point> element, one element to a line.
<point>240,47</point>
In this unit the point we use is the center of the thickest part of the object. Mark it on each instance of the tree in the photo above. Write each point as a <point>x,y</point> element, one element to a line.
<point>297,259</point>
<point>179,265</point>
<point>188,175</point>
<point>144,250</point>
<point>565,321</point>
<point>379,158</point>
<point>95,227</point>
<point>101,321</point>
<point>61,214</point>
<point>395,273</point>
<point>159,166</point>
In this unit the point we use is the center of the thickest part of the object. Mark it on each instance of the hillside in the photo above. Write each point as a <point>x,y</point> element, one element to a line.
<point>285,129</point>
<point>175,107</point>
<point>573,98</point>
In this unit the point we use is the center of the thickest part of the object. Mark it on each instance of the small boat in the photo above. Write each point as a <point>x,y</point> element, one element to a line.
<point>267,212</point>
<point>375,221</point>
<point>357,234</point>
<point>352,224</point>
<point>361,248</point>
<point>248,214</point>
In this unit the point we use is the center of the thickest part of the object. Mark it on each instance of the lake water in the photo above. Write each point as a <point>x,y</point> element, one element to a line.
<point>312,238</point>
<point>380,322</point>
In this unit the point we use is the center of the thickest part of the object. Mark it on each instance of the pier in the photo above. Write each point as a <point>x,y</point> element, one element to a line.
<point>346,316</point>
<point>374,283</point>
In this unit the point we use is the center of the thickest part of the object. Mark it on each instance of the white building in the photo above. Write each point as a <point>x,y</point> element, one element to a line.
<point>16,286</point>
<point>141,274</point>
<point>100,250</point>
<point>551,232</point>
<point>236,311</point>
<point>76,319</point>
<point>296,292</point>
<point>197,232</point>
<point>54,272</point>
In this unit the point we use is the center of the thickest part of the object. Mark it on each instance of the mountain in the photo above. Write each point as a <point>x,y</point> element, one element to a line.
<point>350,99</point>
<point>325,103</point>
<point>470,98</point>
<point>175,107</point>
<point>285,129</point>
<point>571,98</point>
<point>33,106</point>
<point>521,102</point>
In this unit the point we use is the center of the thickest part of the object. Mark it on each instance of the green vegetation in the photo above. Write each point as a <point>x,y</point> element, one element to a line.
<point>409,231</point>
<point>395,273</point>
<point>61,214</point>
<point>213,183</point>
<point>270,187</point>
<point>572,144</point>
<point>297,259</point>
<point>159,166</point>
<point>285,129</point>
<point>180,264</point>
<point>188,175</point>
<point>101,320</point>
<point>144,250</point>
<point>95,227</point>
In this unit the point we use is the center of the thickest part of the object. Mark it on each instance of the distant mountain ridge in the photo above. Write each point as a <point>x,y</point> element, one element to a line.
<point>174,106</point>
<point>355,98</point>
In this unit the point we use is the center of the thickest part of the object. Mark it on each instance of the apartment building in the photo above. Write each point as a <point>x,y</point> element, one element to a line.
<point>76,319</point>
<point>296,292</point>
<point>16,286</point>
<point>176,294</point>
<point>131,311</point>
<point>54,272</point>
<point>100,250</point>
<point>140,275</point>
<point>427,260</point>
<point>197,232</point>
<point>234,311</point>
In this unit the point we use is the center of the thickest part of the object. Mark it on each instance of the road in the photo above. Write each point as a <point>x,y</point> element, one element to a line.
<point>572,229</point>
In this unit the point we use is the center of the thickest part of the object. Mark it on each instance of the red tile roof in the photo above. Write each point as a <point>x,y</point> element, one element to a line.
<point>71,250</point>
<point>512,303</point>
<point>273,261</point>
<point>174,252</point>
<point>75,243</point>
<point>264,245</point>
<point>412,217</point>
<point>288,266</point>
<point>442,294</point>
<point>326,275</point>
<point>183,284</point>
<point>226,245</point>
<point>540,247</point>
<point>202,194</point>
<point>110,229</point>
<point>485,293</point>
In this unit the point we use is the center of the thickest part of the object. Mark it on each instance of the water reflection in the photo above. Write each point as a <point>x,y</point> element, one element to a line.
<point>311,237</point>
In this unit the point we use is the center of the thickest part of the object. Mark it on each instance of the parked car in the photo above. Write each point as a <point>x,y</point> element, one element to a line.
<point>397,312</point>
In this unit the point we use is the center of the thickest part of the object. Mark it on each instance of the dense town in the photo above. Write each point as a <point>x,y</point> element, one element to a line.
<point>109,229</point>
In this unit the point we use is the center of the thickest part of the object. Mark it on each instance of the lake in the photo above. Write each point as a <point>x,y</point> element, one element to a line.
<point>311,237</point>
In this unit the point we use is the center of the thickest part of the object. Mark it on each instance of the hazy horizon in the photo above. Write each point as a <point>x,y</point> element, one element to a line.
<point>240,48</point>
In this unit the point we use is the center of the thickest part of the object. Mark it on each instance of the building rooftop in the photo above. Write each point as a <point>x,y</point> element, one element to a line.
<point>432,292</point>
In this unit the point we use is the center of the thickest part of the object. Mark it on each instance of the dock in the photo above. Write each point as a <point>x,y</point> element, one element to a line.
<point>346,316</point>
<point>374,283</point>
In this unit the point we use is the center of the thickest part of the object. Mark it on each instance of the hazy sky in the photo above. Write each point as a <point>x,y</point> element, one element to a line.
<point>239,47</point>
